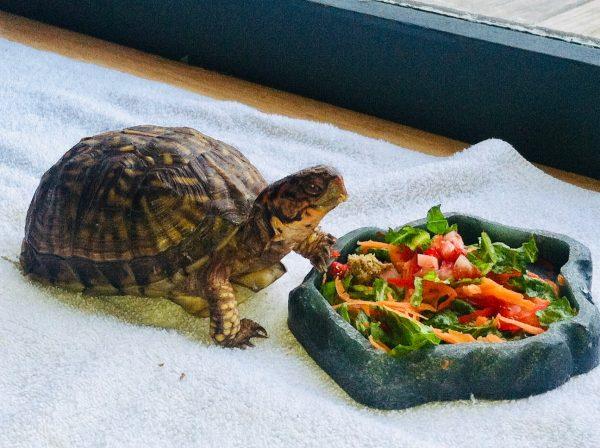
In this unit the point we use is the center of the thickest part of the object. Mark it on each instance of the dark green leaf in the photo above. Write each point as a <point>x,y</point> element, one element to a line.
<point>448,320</point>
<point>558,309</point>
<point>328,291</point>
<point>409,236</point>
<point>510,259</point>
<point>363,292</point>
<point>362,322</point>
<point>444,320</point>
<point>533,287</point>
<point>485,255</point>
<point>461,307</point>
<point>406,335</point>
<point>343,311</point>
<point>377,333</point>
<point>436,222</point>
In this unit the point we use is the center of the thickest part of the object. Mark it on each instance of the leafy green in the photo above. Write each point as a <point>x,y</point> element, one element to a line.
<point>461,307</point>
<point>363,292</point>
<point>417,296</point>
<point>443,320</point>
<point>510,259</point>
<point>381,254</point>
<point>328,291</point>
<point>409,236</point>
<point>448,320</point>
<point>558,309</point>
<point>533,287</point>
<point>343,311</point>
<point>500,258</point>
<point>377,333</point>
<point>437,222</point>
<point>484,257</point>
<point>347,281</point>
<point>380,287</point>
<point>362,323</point>
<point>405,335</point>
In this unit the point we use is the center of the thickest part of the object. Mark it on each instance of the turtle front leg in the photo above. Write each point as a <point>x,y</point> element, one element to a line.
<point>317,248</point>
<point>226,328</point>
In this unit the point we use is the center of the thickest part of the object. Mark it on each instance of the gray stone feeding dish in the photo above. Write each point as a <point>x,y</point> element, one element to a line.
<point>508,370</point>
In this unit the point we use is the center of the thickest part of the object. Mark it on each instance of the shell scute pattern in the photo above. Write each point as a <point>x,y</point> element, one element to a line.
<point>137,205</point>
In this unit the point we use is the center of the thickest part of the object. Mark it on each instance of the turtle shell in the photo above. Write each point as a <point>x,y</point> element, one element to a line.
<point>154,198</point>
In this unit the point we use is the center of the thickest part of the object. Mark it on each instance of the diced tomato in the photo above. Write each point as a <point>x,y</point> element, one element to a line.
<point>337,269</point>
<point>401,282</point>
<point>433,252</point>
<point>334,253</point>
<point>463,268</point>
<point>445,270</point>
<point>485,302</point>
<point>486,312</point>
<point>449,246</point>
<point>427,262</point>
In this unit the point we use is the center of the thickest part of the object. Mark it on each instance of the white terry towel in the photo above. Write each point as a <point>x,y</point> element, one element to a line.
<point>71,377</point>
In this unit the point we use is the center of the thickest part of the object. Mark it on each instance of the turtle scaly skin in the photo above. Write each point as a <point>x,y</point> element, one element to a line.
<point>169,212</point>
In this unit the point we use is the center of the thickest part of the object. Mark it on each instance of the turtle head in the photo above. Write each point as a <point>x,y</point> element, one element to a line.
<point>297,203</point>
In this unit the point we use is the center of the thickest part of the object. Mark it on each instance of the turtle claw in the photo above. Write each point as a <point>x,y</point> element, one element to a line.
<point>248,330</point>
<point>321,258</point>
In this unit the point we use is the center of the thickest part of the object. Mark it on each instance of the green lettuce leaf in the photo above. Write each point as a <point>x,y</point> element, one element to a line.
<point>362,323</point>
<point>417,296</point>
<point>558,309</point>
<point>461,307</point>
<point>500,258</point>
<point>328,291</point>
<point>510,259</point>
<point>533,287</point>
<point>343,311</point>
<point>437,222</point>
<point>484,257</point>
<point>448,320</point>
<point>381,290</point>
<point>405,335</point>
<point>409,236</point>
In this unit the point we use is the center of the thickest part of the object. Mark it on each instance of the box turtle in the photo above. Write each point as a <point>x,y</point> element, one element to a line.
<point>169,212</point>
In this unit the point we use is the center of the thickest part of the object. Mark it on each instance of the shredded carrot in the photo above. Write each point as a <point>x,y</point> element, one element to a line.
<point>341,292</point>
<point>481,320</point>
<point>453,337</point>
<point>434,291</point>
<point>378,344</point>
<point>525,327</point>
<point>491,338</point>
<point>390,297</point>
<point>395,307</point>
<point>370,244</point>
<point>490,288</point>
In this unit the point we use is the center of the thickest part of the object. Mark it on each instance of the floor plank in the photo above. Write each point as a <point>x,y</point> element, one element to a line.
<point>577,20</point>
<point>215,85</point>
<point>583,20</point>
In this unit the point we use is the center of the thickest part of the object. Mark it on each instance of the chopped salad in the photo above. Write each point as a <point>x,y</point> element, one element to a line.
<point>420,288</point>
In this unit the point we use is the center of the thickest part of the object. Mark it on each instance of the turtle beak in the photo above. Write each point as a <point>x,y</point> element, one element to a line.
<point>336,194</point>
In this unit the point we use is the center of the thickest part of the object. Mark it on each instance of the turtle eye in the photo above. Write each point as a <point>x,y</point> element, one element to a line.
<point>313,188</point>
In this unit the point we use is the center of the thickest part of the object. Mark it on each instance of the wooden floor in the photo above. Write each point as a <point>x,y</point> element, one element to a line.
<point>567,18</point>
<point>215,85</point>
